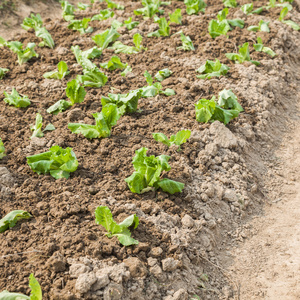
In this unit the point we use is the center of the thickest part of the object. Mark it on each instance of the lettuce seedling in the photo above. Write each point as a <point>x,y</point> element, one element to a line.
<point>113,5</point>
<point>68,10</point>
<point>121,231</point>
<point>176,17</point>
<point>164,28</point>
<point>227,108</point>
<point>126,103</point>
<point>272,4</point>
<point>262,26</point>
<point>291,23</point>
<point>151,7</point>
<point>232,23</point>
<point>3,71</point>
<point>57,161</point>
<point>37,128</point>
<point>121,48</point>
<point>113,64</point>
<point>105,38</point>
<point>194,6</point>
<point>230,3</point>
<point>105,120</point>
<point>82,57</point>
<point>248,9</point>
<point>127,70</point>
<point>116,24</point>
<point>212,69</point>
<point>163,74</point>
<point>75,92</point>
<point>81,25</point>
<point>178,139</point>
<point>216,28</point>
<point>59,106</point>
<point>103,15</point>
<point>154,89</point>
<point>147,174</point>
<point>15,99</point>
<point>187,44</point>
<point>261,48</point>
<point>11,219</point>
<point>35,294</point>
<point>23,54</point>
<point>94,78</point>
<point>60,74</point>
<point>2,149</point>
<point>83,6</point>
<point>36,23</point>
<point>242,56</point>
<point>131,24</point>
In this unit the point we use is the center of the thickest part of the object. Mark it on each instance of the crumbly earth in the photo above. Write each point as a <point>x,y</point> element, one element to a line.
<point>184,238</point>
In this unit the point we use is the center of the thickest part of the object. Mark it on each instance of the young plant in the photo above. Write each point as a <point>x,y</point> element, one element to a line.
<point>35,294</point>
<point>242,56</point>
<point>3,71</point>
<point>163,74</point>
<point>164,28</point>
<point>187,44</point>
<point>60,74</point>
<point>113,64</point>
<point>81,25</point>
<point>224,111</point>
<point>92,78</point>
<point>36,23</point>
<point>105,38</point>
<point>272,4</point>
<point>2,149</point>
<point>232,23</point>
<point>113,5</point>
<point>82,57</point>
<point>105,120</point>
<point>59,106</point>
<point>127,70</point>
<point>154,89</point>
<point>212,69</point>
<point>248,9</point>
<point>57,161</point>
<point>151,7</point>
<point>176,17</point>
<point>194,6</point>
<point>230,3</point>
<point>262,26</point>
<point>103,15</point>
<point>121,231</point>
<point>15,99</point>
<point>75,92</point>
<point>37,128</point>
<point>11,219</point>
<point>131,24</point>
<point>83,6</point>
<point>261,48</point>
<point>23,54</point>
<point>217,28</point>
<point>291,23</point>
<point>121,48</point>
<point>126,103</point>
<point>178,139</point>
<point>68,10</point>
<point>147,174</point>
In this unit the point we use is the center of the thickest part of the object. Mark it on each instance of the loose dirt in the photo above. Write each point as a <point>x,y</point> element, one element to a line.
<point>186,240</point>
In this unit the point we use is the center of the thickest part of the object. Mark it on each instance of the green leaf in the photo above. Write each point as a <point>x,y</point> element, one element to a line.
<point>3,71</point>
<point>103,15</point>
<point>248,9</point>
<point>187,43</point>
<point>283,13</point>
<point>242,56</point>
<point>116,24</point>
<point>6,295</point>
<point>36,291</point>
<point>68,10</point>
<point>164,28</point>
<point>49,127</point>
<point>2,149</point>
<point>127,70</point>
<point>82,6</point>
<point>113,5</point>
<point>81,25</point>
<point>260,47</point>
<point>59,106</point>
<point>94,78</point>
<point>205,110</point>
<point>171,186</point>
<point>148,77</point>
<point>105,38</point>
<point>151,7</point>
<point>216,28</point>
<point>230,3</point>
<point>91,53</point>
<point>212,69</point>
<point>23,54</point>
<point>46,36</point>
<point>194,6</point>
<point>136,182</point>
<point>60,74</point>
<point>181,137</point>
<point>262,26</point>
<point>57,161</point>
<point>176,17</point>
<point>37,128</point>
<point>228,100</point>
<point>11,219</point>
<point>113,64</point>
<point>121,48</point>
<point>104,217</point>
<point>15,99</point>
<point>137,40</point>
<point>75,92</point>
<point>160,137</point>
<point>236,23</point>
<point>82,57</point>
<point>292,24</point>
<point>34,22</point>
<point>163,74</point>
<point>130,24</point>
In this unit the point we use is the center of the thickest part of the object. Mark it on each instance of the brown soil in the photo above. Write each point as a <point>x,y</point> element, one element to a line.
<point>63,226</point>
